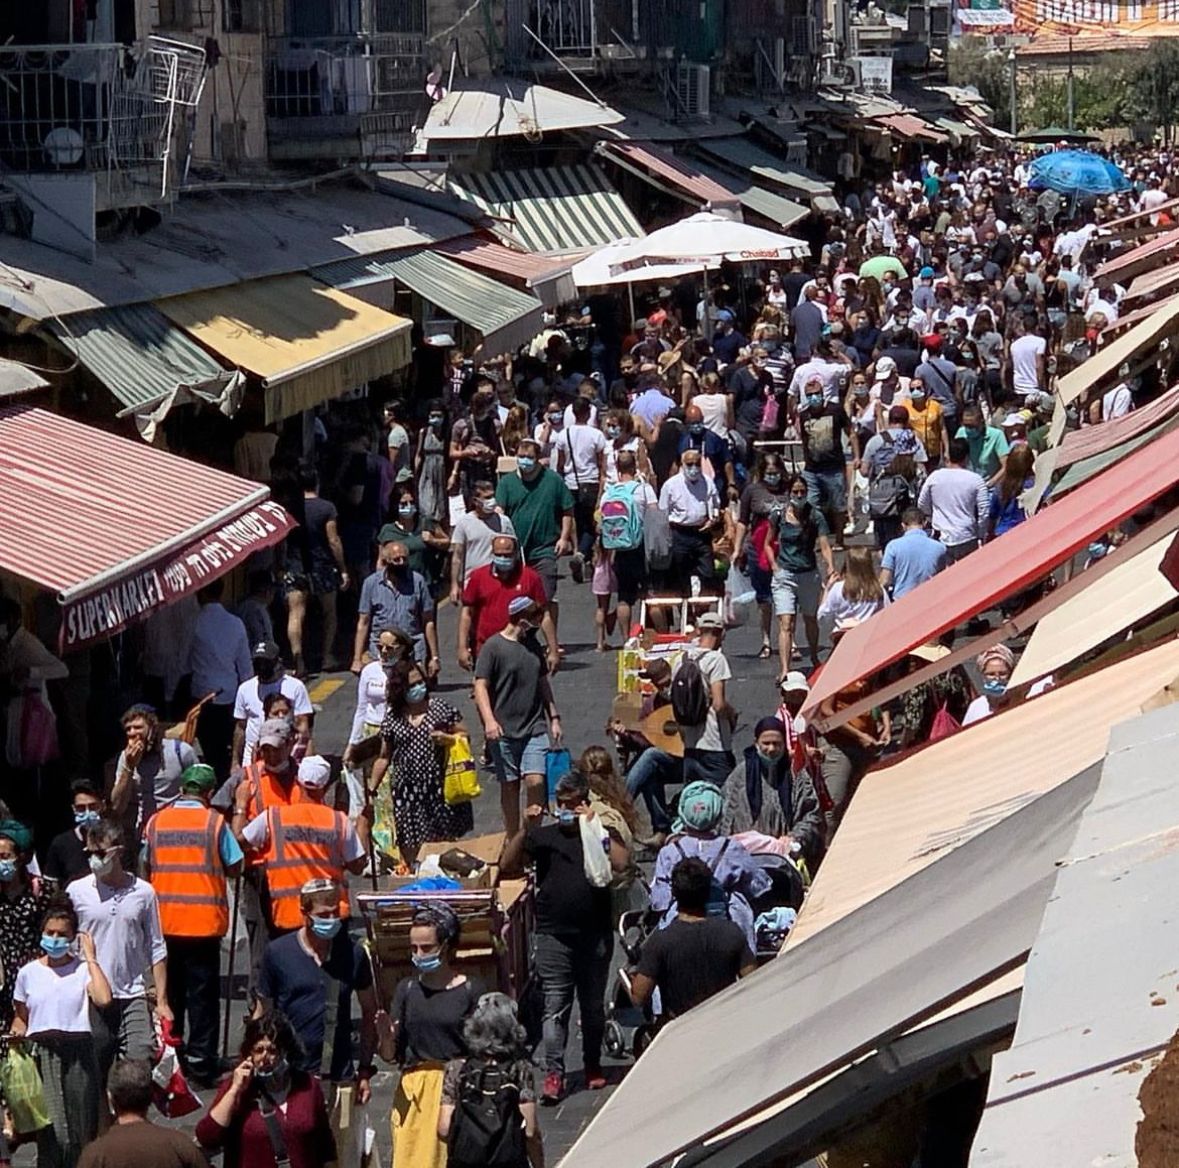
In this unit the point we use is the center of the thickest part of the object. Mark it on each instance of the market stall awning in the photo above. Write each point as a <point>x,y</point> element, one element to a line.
<point>559,208</point>
<point>507,108</point>
<point>505,318</point>
<point>654,163</point>
<point>957,130</point>
<point>1138,259</point>
<point>607,267</point>
<point>306,342</point>
<point>1153,282</point>
<point>998,569</point>
<point>778,209</point>
<point>1116,601</point>
<point>547,278</point>
<point>911,126</point>
<point>1107,361</point>
<point>16,379</point>
<point>741,154</point>
<point>116,529</point>
<point>148,364</point>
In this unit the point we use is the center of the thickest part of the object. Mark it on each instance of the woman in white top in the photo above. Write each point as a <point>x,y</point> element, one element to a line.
<point>619,428</point>
<point>548,432</point>
<point>52,997</point>
<point>996,665</point>
<point>715,404</point>
<point>857,595</point>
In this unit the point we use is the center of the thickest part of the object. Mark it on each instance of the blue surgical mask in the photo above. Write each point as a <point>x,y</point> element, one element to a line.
<point>426,962</point>
<point>566,818</point>
<point>488,506</point>
<point>101,865</point>
<point>276,1074</point>
<point>325,927</point>
<point>82,818</point>
<point>814,401</point>
<point>554,419</point>
<point>612,431</point>
<point>8,870</point>
<point>692,473</point>
<point>994,688</point>
<point>503,563</point>
<point>524,463</point>
<point>55,946</point>
<point>769,757</point>
<point>772,480</point>
<point>696,428</point>
<point>436,419</point>
<point>917,395</point>
<point>417,692</point>
<point>405,509</point>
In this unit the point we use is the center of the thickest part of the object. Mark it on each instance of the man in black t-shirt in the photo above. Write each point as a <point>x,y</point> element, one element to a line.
<point>823,426</point>
<point>65,858</point>
<point>695,956</point>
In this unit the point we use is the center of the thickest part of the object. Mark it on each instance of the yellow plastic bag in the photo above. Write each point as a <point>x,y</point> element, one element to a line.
<point>460,783</point>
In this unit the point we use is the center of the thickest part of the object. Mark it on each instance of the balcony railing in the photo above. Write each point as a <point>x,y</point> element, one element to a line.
<point>77,108</point>
<point>323,93</point>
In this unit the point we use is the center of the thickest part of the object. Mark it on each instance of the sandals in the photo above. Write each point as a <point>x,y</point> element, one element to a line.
<point>765,652</point>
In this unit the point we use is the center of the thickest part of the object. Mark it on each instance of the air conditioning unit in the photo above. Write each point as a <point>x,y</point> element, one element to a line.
<point>693,90</point>
<point>839,74</point>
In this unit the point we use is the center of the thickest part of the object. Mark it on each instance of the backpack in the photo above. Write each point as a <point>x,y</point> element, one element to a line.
<point>718,895</point>
<point>622,524</point>
<point>690,697</point>
<point>487,1130</point>
<point>888,494</point>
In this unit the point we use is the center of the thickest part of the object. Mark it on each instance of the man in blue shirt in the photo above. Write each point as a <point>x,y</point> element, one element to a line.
<point>712,447</point>
<point>727,342</point>
<point>912,558</point>
<point>395,597</point>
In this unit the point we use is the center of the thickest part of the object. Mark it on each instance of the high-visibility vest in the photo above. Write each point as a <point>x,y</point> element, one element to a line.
<point>186,871</point>
<point>306,842</point>
<point>266,791</point>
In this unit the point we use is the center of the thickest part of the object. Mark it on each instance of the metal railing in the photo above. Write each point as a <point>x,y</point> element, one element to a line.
<point>78,107</point>
<point>567,27</point>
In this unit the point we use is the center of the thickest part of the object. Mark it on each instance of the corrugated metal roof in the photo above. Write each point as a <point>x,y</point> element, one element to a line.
<point>1137,259</point>
<point>682,174</point>
<point>506,318</point>
<point>746,155</point>
<point>16,378</point>
<point>911,126</point>
<point>76,502</point>
<point>559,208</point>
<point>1099,999</point>
<point>140,355</point>
<point>764,202</point>
<point>504,108</point>
<point>547,277</point>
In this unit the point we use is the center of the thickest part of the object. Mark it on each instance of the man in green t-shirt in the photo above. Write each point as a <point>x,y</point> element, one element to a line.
<point>540,506</point>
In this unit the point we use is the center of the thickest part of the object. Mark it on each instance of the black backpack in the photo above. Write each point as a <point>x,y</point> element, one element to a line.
<point>487,1130</point>
<point>690,696</point>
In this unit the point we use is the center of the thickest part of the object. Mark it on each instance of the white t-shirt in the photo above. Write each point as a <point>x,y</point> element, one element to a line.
<point>1024,351</point>
<point>569,420</point>
<point>612,452</point>
<point>547,436</point>
<point>715,408</point>
<point>248,705</point>
<point>715,733</point>
<point>1117,402</point>
<point>256,835</point>
<point>125,925</point>
<point>474,533</point>
<point>585,444</point>
<point>371,700</point>
<point>55,996</point>
<point>399,441</point>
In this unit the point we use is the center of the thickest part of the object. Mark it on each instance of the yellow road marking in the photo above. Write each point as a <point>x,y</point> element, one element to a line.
<point>323,690</point>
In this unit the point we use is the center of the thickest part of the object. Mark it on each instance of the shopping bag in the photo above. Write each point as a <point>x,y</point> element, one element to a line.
<point>594,842</point>
<point>944,724</point>
<point>740,596</point>
<point>170,1090</point>
<point>21,1082</point>
<point>460,782</point>
<point>558,763</point>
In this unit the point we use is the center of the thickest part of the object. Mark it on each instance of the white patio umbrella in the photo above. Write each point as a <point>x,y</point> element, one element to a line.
<point>705,240</point>
<point>607,267</point>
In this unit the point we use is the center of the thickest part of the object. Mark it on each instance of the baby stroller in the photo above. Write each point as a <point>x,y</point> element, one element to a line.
<point>774,911</point>
<point>629,1028</point>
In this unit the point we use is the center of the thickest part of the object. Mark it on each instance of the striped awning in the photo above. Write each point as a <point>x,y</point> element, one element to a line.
<point>148,364</point>
<point>559,208</point>
<point>504,317</point>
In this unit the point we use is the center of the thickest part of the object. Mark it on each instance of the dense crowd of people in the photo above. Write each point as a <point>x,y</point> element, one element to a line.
<point>807,445</point>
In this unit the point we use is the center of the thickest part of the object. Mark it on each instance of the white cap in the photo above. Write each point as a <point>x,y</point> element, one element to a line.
<point>794,682</point>
<point>885,368</point>
<point>315,772</point>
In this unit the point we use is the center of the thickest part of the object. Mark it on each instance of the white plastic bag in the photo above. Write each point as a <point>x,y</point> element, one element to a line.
<point>740,597</point>
<point>594,842</point>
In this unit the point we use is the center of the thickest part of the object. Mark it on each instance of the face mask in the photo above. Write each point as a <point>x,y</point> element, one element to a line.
<point>696,428</point>
<point>102,865</point>
<point>814,401</point>
<point>398,569</point>
<point>326,927</point>
<point>7,870</point>
<point>917,395</point>
<point>773,480</point>
<point>994,688</point>
<point>417,692</point>
<point>555,419</point>
<point>276,1074</point>
<point>426,962</point>
<point>612,431</point>
<point>487,506</point>
<point>265,670</point>
<point>525,464</point>
<point>503,563</point>
<point>692,473</point>
<point>82,818</point>
<point>768,756</point>
<point>566,818</point>
<point>55,946</point>
<point>436,420</point>
<point>406,509</point>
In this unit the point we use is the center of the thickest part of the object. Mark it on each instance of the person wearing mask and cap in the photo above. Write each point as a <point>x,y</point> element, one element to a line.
<point>189,852</point>
<point>396,597</point>
<point>65,858</point>
<point>924,296</point>
<point>715,456</point>
<point>303,841</point>
<point>727,342</point>
<point>708,745</point>
<point>996,665</point>
<point>939,376</point>
<point>269,677</point>
<point>311,977</point>
<point>473,535</point>
<point>886,385</point>
<point>574,941</point>
<point>765,794</point>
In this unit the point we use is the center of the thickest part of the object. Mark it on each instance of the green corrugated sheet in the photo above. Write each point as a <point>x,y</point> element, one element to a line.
<point>1082,471</point>
<point>747,155</point>
<point>777,208</point>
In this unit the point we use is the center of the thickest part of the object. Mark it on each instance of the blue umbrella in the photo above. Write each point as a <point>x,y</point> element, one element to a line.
<point>1077,173</point>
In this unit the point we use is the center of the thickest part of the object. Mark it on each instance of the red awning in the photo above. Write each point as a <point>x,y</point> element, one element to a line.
<point>494,257</point>
<point>114,528</point>
<point>910,126</point>
<point>1140,258</point>
<point>678,172</point>
<point>998,569</point>
<point>1091,440</point>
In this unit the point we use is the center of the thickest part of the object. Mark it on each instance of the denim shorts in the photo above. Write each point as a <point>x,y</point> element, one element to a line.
<point>826,489</point>
<point>796,593</point>
<point>514,757</point>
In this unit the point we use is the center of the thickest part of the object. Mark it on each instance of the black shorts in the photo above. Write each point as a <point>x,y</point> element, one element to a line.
<point>630,570</point>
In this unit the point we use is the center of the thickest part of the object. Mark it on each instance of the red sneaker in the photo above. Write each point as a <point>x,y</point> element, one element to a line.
<point>595,1080</point>
<point>554,1089</point>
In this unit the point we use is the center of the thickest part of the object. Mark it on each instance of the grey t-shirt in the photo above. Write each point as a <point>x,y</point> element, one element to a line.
<point>475,533</point>
<point>514,671</point>
<point>158,775</point>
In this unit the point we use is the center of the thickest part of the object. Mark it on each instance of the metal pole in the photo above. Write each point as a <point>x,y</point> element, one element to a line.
<point>1011,62</point>
<point>237,903</point>
<point>1070,85</point>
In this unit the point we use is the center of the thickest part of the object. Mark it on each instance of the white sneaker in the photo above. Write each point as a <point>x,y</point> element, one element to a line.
<point>850,527</point>
<point>870,529</point>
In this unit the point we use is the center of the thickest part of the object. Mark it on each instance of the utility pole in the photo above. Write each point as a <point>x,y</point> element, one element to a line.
<point>1071,106</point>
<point>1011,63</point>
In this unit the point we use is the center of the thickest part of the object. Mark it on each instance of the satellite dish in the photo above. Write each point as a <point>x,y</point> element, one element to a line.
<point>435,90</point>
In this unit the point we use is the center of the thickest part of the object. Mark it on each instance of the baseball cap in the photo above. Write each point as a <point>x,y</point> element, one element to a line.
<point>315,772</point>
<point>932,340</point>
<point>885,368</point>
<point>724,314</point>
<point>267,650</point>
<point>519,604</point>
<point>198,777</point>
<point>795,682</point>
<point>709,620</point>
<point>275,732</point>
<point>926,273</point>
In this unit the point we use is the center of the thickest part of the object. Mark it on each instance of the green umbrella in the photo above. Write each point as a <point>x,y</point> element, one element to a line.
<point>880,266</point>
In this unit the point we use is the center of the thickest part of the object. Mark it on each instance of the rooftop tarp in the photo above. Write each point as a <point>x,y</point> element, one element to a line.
<point>559,208</point>
<point>1128,594</point>
<point>16,379</point>
<point>861,983</point>
<point>505,318</point>
<point>911,126</point>
<point>306,342</point>
<point>744,154</point>
<point>137,528</point>
<point>653,162</point>
<point>549,279</point>
<point>508,108</point>
<point>148,364</point>
<point>1099,998</point>
<point>1107,361</point>
<point>998,569</point>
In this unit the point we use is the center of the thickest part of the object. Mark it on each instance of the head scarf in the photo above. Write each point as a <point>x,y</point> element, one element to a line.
<point>442,917</point>
<point>18,833</point>
<point>701,805</point>
<point>769,723</point>
<point>996,653</point>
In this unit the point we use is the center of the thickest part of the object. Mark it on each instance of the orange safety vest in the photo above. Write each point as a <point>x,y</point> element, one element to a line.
<point>306,842</point>
<point>186,871</point>
<point>266,792</point>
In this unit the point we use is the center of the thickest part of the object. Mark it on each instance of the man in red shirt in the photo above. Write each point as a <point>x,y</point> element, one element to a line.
<point>486,597</point>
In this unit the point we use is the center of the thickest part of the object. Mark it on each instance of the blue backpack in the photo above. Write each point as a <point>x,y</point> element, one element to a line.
<point>622,523</point>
